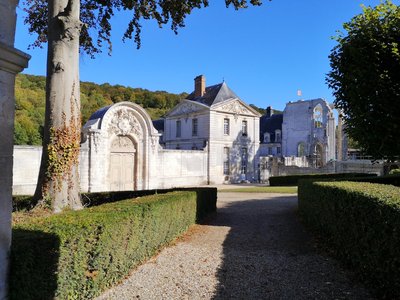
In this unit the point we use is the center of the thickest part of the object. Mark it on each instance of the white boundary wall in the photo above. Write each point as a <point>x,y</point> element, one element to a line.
<point>174,168</point>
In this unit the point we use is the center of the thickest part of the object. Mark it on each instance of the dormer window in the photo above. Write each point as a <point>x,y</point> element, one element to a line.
<point>267,137</point>
<point>278,136</point>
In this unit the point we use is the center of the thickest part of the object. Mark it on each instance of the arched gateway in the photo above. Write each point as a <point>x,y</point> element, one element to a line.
<point>121,144</point>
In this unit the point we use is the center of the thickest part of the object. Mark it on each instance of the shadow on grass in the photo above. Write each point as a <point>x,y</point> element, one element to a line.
<point>34,263</point>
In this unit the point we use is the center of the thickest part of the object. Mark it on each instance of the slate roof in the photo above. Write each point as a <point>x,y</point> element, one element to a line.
<point>98,114</point>
<point>214,94</point>
<point>159,124</point>
<point>270,124</point>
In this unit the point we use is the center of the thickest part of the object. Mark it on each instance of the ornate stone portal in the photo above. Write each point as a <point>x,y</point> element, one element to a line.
<point>121,142</point>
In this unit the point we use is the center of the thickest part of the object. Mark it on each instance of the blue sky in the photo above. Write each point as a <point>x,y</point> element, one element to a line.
<point>265,54</point>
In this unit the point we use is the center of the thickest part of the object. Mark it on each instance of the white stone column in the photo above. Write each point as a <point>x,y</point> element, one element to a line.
<point>12,61</point>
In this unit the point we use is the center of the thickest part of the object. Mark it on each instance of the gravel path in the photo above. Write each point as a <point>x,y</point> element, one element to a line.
<point>254,248</point>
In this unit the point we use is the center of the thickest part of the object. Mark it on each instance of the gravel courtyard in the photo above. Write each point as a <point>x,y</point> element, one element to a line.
<point>254,248</point>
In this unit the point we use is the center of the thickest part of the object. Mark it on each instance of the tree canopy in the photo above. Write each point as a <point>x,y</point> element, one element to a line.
<point>365,79</point>
<point>96,15</point>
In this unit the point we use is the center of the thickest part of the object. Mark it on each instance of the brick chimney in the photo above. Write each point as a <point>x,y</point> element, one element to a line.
<point>269,111</point>
<point>199,86</point>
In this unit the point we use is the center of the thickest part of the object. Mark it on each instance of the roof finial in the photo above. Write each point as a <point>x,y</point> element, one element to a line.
<point>223,79</point>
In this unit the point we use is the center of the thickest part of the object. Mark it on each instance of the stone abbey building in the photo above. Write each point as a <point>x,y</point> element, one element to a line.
<point>211,137</point>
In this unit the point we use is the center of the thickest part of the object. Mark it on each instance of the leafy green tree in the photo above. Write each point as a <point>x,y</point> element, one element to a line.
<point>67,26</point>
<point>365,79</point>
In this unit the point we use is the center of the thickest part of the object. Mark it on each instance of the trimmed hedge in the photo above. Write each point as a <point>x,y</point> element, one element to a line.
<point>361,223</point>
<point>388,179</point>
<point>293,180</point>
<point>94,199</point>
<point>22,203</point>
<point>208,194</point>
<point>79,254</point>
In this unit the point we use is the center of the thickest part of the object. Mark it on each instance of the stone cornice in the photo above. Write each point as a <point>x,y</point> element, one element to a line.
<point>12,60</point>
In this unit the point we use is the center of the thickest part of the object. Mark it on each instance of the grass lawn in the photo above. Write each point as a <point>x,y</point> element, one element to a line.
<point>263,189</point>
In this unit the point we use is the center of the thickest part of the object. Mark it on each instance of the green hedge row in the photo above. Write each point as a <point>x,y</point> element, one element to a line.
<point>94,199</point>
<point>388,179</point>
<point>361,223</point>
<point>79,254</point>
<point>293,180</point>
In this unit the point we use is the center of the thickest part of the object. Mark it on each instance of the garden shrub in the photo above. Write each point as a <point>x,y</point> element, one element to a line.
<point>208,194</point>
<point>292,180</point>
<point>79,254</point>
<point>22,203</point>
<point>388,179</point>
<point>361,223</point>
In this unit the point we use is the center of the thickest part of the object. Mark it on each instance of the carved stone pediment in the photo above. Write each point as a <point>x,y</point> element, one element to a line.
<point>124,122</point>
<point>185,108</point>
<point>235,107</point>
<point>122,144</point>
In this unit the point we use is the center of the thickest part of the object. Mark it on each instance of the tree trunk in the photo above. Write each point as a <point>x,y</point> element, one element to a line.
<point>58,184</point>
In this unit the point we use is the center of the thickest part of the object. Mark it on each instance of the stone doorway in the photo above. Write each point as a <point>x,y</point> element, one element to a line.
<point>123,164</point>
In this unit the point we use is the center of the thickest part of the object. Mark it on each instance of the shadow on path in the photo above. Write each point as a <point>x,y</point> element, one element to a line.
<point>268,254</point>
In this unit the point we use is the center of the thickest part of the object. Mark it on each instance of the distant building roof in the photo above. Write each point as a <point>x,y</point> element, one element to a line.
<point>214,94</point>
<point>270,124</point>
<point>159,124</point>
<point>98,114</point>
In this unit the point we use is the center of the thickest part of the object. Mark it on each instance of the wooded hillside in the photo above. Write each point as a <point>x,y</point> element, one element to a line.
<point>30,104</point>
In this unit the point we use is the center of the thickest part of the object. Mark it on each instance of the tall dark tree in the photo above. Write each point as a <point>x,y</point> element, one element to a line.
<point>68,25</point>
<point>365,79</point>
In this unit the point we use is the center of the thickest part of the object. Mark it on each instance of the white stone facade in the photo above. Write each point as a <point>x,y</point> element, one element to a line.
<point>219,120</point>
<point>308,129</point>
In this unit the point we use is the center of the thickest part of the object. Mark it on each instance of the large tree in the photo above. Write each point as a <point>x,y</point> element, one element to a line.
<point>365,79</point>
<point>67,26</point>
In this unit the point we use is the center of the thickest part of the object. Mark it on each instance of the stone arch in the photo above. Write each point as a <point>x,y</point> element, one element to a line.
<point>301,149</point>
<point>121,140</point>
<point>317,116</point>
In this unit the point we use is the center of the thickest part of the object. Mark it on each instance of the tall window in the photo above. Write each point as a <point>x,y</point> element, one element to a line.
<point>178,128</point>
<point>244,128</point>
<point>226,126</point>
<point>194,127</point>
<point>267,137</point>
<point>269,150</point>
<point>278,150</point>
<point>226,160</point>
<point>318,116</point>
<point>244,161</point>
<point>278,136</point>
<point>301,149</point>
